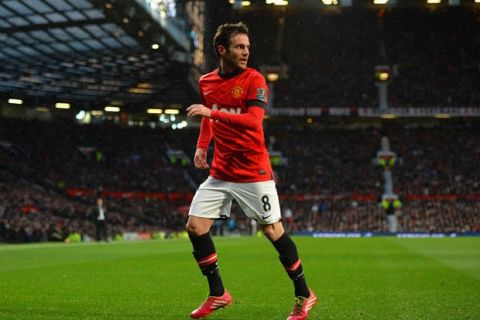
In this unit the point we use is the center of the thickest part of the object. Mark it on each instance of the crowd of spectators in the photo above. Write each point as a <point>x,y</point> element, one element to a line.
<point>431,161</point>
<point>40,161</point>
<point>345,215</point>
<point>438,160</point>
<point>106,156</point>
<point>325,171</point>
<point>30,213</point>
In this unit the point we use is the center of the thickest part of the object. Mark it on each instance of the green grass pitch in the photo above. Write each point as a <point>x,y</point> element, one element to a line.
<point>367,278</point>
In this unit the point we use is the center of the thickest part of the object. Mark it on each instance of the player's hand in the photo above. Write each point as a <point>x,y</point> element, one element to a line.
<point>198,110</point>
<point>200,159</point>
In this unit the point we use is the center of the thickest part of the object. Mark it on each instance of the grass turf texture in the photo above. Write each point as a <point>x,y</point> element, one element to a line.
<point>369,278</point>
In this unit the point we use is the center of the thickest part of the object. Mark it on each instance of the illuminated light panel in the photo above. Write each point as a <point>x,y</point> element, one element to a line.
<point>155,46</point>
<point>277,2</point>
<point>97,113</point>
<point>154,111</point>
<point>15,101</point>
<point>112,109</point>
<point>245,3</point>
<point>172,111</point>
<point>329,2</point>
<point>383,76</point>
<point>272,77</point>
<point>62,105</point>
<point>388,116</point>
<point>182,124</point>
<point>380,1</point>
<point>80,115</point>
<point>41,109</point>
<point>434,1</point>
<point>442,116</point>
<point>144,85</point>
<point>139,90</point>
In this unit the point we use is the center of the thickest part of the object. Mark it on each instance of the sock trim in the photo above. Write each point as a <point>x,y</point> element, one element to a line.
<point>294,266</point>
<point>207,260</point>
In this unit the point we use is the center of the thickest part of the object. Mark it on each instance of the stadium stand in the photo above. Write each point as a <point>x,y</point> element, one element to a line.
<point>330,181</point>
<point>52,170</point>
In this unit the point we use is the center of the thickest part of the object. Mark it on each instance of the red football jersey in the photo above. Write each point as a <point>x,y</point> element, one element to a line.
<point>236,125</point>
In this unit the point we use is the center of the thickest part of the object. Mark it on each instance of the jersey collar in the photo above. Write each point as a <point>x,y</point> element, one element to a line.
<point>229,75</point>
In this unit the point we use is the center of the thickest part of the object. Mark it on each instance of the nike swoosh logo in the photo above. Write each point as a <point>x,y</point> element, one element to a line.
<point>266,217</point>
<point>207,92</point>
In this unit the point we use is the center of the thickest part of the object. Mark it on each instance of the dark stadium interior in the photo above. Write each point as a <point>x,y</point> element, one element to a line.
<point>337,52</point>
<point>54,162</point>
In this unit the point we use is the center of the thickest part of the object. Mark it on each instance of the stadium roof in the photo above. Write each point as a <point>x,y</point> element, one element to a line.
<point>89,53</point>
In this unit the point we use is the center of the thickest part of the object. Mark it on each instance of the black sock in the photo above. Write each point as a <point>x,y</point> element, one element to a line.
<point>293,265</point>
<point>204,253</point>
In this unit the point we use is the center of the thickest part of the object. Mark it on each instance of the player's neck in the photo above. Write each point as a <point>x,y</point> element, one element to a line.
<point>228,71</point>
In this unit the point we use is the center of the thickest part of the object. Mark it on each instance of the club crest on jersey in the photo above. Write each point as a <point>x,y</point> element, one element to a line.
<point>262,94</point>
<point>237,92</point>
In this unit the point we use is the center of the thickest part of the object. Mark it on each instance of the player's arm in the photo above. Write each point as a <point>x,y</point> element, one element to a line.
<point>200,158</point>
<point>204,138</point>
<point>251,120</point>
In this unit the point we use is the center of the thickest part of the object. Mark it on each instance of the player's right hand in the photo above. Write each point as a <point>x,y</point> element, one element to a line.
<point>198,110</point>
<point>200,159</point>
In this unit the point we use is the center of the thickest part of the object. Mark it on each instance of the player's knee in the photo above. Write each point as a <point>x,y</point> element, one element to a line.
<point>269,232</point>
<point>190,227</point>
<point>194,229</point>
<point>273,231</point>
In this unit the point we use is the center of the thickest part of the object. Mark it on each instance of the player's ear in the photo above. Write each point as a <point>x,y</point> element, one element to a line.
<point>221,50</point>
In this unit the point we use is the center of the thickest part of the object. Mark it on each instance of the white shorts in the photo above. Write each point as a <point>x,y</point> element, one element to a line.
<point>259,200</point>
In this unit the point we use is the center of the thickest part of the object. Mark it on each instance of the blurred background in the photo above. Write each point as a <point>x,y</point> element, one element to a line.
<point>373,124</point>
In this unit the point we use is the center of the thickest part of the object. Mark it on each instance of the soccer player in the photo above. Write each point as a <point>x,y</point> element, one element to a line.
<point>234,98</point>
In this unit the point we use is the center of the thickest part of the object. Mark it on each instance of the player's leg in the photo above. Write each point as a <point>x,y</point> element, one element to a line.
<point>204,252</point>
<point>288,252</point>
<point>286,248</point>
<point>260,202</point>
<point>211,201</point>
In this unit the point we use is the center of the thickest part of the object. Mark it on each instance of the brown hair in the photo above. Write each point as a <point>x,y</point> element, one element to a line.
<point>225,32</point>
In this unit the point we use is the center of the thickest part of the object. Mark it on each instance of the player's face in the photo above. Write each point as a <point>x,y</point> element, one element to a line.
<point>236,55</point>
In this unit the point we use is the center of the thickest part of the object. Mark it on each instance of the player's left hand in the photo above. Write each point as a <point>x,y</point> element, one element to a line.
<point>198,110</point>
